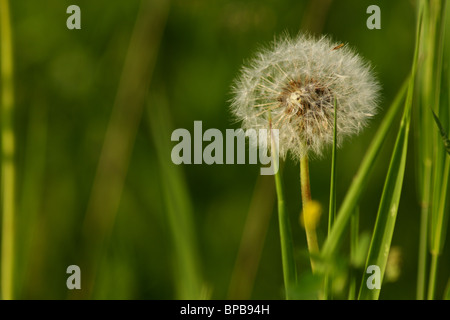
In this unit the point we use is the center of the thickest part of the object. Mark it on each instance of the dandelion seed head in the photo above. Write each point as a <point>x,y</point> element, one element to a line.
<point>292,86</point>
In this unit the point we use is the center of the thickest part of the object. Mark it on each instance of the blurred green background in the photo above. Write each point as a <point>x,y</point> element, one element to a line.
<point>110,216</point>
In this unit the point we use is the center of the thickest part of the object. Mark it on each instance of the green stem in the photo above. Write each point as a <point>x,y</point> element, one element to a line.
<point>332,206</point>
<point>287,243</point>
<point>439,234</point>
<point>424,150</point>
<point>354,229</point>
<point>311,236</point>
<point>352,197</point>
<point>422,263</point>
<point>440,174</point>
<point>431,158</point>
<point>433,273</point>
<point>8,146</point>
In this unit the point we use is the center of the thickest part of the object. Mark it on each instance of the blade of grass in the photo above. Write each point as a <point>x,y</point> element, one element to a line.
<point>8,179</point>
<point>424,150</point>
<point>287,242</point>
<point>388,209</point>
<point>438,238</point>
<point>29,222</point>
<point>440,181</point>
<point>360,181</point>
<point>253,236</point>
<point>119,139</point>
<point>178,205</point>
<point>429,154</point>
<point>354,239</point>
<point>441,218</point>
<point>332,205</point>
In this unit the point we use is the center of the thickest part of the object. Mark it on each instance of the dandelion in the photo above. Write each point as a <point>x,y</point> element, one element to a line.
<point>292,85</point>
<point>299,86</point>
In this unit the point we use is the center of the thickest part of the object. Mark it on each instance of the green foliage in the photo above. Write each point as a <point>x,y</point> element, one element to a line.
<point>172,231</point>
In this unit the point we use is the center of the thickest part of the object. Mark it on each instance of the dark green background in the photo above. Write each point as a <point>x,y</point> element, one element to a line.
<point>66,84</point>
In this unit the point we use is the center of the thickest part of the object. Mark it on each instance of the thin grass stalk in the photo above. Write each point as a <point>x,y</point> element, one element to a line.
<point>287,242</point>
<point>440,230</point>
<point>424,150</point>
<point>440,180</point>
<point>178,206</point>
<point>335,238</point>
<point>8,150</point>
<point>120,135</point>
<point>426,141</point>
<point>388,209</point>
<point>429,152</point>
<point>252,241</point>
<point>354,238</point>
<point>332,204</point>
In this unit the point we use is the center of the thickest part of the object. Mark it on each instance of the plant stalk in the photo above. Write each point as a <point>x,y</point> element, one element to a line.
<point>287,243</point>
<point>311,235</point>
<point>8,147</point>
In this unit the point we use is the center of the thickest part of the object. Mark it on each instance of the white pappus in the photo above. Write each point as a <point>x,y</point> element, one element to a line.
<point>292,86</point>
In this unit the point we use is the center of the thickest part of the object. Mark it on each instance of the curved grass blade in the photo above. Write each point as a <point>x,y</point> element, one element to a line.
<point>388,209</point>
<point>352,197</point>
<point>387,212</point>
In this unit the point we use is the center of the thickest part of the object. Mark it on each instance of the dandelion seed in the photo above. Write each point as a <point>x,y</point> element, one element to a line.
<point>339,46</point>
<point>306,76</point>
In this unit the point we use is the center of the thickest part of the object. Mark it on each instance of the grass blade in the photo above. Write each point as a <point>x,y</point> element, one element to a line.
<point>440,160</point>
<point>429,154</point>
<point>354,240</point>
<point>178,205</point>
<point>351,199</point>
<point>439,228</point>
<point>8,177</point>
<point>332,206</point>
<point>440,216</point>
<point>387,212</point>
<point>120,135</point>
<point>287,242</point>
<point>252,241</point>
<point>388,209</point>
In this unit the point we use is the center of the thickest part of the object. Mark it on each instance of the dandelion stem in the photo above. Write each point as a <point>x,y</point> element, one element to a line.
<point>287,243</point>
<point>311,236</point>
<point>8,143</point>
